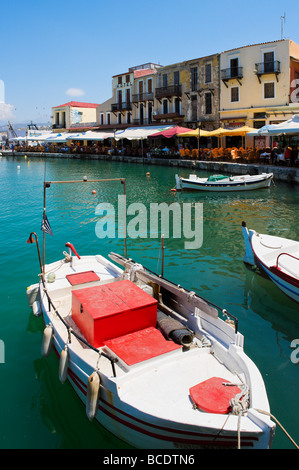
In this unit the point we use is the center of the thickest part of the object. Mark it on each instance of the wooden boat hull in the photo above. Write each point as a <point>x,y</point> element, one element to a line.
<point>258,248</point>
<point>237,183</point>
<point>137,403</point>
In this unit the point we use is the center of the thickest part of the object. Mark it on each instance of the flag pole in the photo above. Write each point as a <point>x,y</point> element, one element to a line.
<point>44,231</point>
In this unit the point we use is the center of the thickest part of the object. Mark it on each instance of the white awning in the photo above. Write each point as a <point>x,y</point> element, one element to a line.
<point>139,133</point>
<point>291,127</point>
<point>89,135</point>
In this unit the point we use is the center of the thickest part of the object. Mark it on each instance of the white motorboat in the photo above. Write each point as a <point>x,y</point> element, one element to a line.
<point>224,183</point>
<point>277,257</point>
<point>155,364</point>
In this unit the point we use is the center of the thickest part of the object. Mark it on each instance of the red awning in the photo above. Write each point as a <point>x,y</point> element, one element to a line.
<point>171,132</point>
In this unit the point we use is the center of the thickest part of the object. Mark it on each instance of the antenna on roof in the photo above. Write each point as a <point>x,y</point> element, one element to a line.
<point>283,21</point>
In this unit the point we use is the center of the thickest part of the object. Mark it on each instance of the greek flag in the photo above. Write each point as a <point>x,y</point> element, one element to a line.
<point>46,227</point>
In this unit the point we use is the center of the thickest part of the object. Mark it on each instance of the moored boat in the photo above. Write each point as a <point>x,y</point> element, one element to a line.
<point>224,183</point>
<point>276,256</point>
<point>155,364</point>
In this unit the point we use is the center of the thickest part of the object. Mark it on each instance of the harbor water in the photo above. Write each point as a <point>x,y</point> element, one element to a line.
<point>37,411</point>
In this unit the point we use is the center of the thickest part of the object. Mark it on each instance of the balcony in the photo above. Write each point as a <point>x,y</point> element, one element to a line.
<point>168,91</point>
<point>142,97</point>
<point>121,107</point>
<point>232,73</point>
<point>143,122</point>
<point>264,68</point>
<point>168,117</point>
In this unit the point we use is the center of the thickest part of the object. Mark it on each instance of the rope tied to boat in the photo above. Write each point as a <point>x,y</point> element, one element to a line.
<point>190,296</point>
<point>133,269</point>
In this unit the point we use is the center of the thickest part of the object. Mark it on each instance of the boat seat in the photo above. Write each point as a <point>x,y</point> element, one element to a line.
<point>289,265</point>
<point>141,345</point>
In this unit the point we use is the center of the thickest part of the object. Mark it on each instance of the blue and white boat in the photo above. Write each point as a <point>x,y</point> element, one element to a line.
<point>224,183</point>
<point>277,257</point>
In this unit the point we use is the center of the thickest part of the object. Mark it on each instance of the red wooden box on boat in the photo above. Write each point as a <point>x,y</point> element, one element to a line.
<point>112,310</point>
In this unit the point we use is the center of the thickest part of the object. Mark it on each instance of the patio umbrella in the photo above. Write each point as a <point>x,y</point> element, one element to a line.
<point>194,133</point>
<point>90,135</point>
<point>171,132</point>
<point>139,133</point>
<point>290,127</point>
<point>216,133</point>
<point>238,131</point>
<point>60,138</point>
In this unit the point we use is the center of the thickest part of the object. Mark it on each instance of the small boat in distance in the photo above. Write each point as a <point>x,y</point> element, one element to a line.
<point>224,183</point>
<point>277,257</point>
<point>156,364</point>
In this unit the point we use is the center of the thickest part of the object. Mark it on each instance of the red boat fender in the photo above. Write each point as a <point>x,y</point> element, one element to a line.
<point>214,395</point>
<point>69,245</point>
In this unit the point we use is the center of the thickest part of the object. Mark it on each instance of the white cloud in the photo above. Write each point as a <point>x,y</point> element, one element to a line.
<point>75,92</point>
<point>6,112</point>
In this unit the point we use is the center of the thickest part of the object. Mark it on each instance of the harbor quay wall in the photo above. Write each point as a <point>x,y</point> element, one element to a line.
<point>280,173</point>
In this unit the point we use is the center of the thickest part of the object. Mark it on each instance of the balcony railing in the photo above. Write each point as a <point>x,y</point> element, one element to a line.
<point>232,72</point>
<point>168,116</point>
<point>143,122</point>
<point>267,67</point>
<point>121,107</point>
<point>164,92</point>
<point>142,97</point>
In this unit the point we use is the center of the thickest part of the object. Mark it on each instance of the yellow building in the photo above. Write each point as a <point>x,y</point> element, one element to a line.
<point>132,99</point>
<point>257,85</point>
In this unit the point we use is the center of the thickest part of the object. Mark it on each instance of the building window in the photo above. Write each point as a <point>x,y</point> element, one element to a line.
<point>108,118</point>
<point>269,90</point>
<point>119,118</point>
<point>102,119</point>
<point>165,106</point>
<point>269,62</point>
<point>120,80</point>
<point>177,106</point>
<point>234,67</point>
<point>234,94</point>
<point>208,73</point>
<point>128,118</point>
<point>127,78</point>
<point>194,78</point>
<point>208,103</point>
<point>150,85</point>
<point>194,108</point>
<point>176,78</point>
<point>165,81</point>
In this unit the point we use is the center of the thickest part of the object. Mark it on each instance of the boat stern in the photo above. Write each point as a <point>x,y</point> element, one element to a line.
<point>247,235</point>
<point>178,183</point>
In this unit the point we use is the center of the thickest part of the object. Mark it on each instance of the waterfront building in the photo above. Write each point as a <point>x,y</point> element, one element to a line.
<point>74,115</point>
<point>258,86</point>
<point>132,99</point>
<point>187,93</point>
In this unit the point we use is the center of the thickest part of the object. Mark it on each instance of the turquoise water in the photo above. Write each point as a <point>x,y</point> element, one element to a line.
<point>37,411</point>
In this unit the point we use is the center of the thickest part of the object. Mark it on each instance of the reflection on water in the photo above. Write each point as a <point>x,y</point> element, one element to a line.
<point>51,413</point>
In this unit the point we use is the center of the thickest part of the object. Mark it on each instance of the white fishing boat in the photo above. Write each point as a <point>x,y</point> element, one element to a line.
<point>157,365</point>
<point>277,257</point>
<point>224,183</point>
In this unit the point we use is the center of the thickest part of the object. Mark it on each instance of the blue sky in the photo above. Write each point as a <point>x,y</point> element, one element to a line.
<point>50,47</point>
